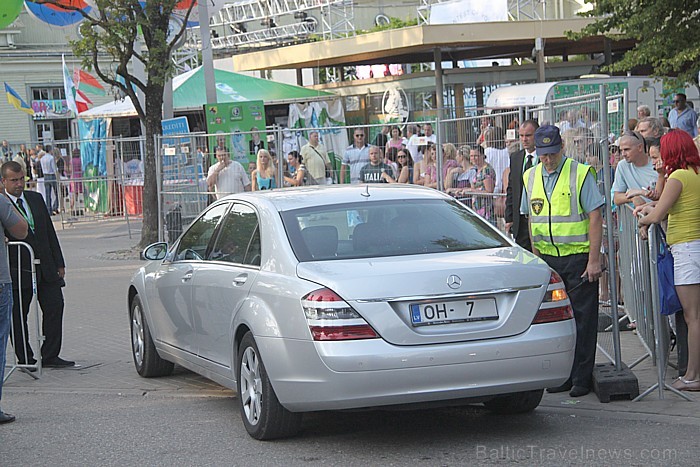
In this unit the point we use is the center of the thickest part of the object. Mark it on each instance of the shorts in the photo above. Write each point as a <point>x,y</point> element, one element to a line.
<point>686,263</point>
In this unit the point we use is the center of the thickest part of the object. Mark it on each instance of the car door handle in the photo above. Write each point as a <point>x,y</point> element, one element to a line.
<point>187,277</point>
<point>240,280</point>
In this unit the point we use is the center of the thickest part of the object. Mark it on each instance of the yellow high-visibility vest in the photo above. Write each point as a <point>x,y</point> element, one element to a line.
<point>559,227</point>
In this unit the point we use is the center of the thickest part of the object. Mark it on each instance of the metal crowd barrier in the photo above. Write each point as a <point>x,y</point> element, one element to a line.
<point>660,323</point>
<point>640,285</point>
<point>635,275</point>
<point>490,206</point>
<point>33,370</point>
<point>111,189</point>
<point>607,308</point>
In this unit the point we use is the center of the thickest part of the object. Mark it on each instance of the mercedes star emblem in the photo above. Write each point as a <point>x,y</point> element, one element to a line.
<point>454,282</point>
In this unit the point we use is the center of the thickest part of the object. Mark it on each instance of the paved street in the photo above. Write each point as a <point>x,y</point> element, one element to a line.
<point>103,413</point>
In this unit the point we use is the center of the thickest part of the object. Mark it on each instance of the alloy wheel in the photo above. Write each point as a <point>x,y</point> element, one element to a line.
<point>251,386</point>
<point>137,339</point>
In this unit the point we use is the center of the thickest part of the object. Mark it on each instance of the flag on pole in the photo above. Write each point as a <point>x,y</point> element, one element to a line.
<point>69,87</point>
<point>16,101</point>
<point>85,82</point>
<point>81,101</point>
<point>82,96</point>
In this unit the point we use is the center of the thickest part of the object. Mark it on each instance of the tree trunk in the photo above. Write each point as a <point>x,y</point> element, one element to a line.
<point>154,105</point>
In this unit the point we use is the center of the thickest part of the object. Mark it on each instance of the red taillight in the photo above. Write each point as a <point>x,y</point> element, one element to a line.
<point>322,295</point>
<point>555,278</point>
<point>330,318</point>
<point>340,333</point>
<point>550,315</point>
<point>555,305</point>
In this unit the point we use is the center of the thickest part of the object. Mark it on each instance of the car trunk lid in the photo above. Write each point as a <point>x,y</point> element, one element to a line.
<point>441,297</point>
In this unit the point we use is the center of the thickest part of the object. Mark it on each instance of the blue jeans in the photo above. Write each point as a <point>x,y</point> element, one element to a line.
<point>50,185</point>
<point>5,316</point>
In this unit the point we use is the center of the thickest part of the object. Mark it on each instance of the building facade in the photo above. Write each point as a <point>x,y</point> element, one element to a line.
<point>30,54</point>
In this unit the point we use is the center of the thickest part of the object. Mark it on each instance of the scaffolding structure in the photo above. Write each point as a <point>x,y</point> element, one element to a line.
<point>527,10</point>
<point>246,25</point>
<point>254,24</point>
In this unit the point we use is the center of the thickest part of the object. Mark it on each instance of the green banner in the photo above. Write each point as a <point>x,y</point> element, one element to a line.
<point>564,90</point>
<point>232,123</point>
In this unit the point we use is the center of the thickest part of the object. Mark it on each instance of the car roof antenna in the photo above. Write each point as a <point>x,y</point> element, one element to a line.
<point>366,193</point>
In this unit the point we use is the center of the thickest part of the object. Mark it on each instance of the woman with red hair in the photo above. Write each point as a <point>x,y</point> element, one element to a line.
<point>680,201</point>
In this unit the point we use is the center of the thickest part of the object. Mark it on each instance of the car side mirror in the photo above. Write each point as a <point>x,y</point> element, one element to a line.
<point>155,251</point>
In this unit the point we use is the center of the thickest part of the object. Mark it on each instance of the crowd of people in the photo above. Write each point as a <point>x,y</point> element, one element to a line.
<point>45,167</point>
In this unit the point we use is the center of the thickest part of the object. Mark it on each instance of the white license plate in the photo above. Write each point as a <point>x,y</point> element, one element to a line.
<point>457,311</point>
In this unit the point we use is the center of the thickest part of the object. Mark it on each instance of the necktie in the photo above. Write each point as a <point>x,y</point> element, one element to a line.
<point>20,205</point>
<point>528,164</point>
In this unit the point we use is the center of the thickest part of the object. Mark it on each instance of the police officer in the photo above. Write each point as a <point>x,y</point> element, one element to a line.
<point>563,204</point>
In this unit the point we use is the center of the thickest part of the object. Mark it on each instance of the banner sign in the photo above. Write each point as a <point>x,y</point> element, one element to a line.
<point>175,126</point>
<point>51,108</point>
<point>234,121</point>
<point>175,150</point>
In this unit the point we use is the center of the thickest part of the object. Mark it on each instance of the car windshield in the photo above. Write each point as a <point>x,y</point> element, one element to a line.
<point>386,228</point>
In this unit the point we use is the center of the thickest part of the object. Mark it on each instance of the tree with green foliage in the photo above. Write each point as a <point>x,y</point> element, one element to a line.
<point>666,32</point>
<point>125,31</point>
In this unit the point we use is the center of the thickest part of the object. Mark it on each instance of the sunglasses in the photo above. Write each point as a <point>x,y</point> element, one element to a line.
<point>638,137</point>
<point>359,136</point>
<point>401,157</point>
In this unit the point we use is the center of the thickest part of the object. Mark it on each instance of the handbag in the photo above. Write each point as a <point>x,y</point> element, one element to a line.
<point>668,298</point>
<point>309,180</point>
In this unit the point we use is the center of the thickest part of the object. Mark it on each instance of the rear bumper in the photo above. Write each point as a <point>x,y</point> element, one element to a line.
<point>310,376</point>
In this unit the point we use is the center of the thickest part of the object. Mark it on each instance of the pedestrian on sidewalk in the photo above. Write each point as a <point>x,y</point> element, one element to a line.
<point>48,167</point>
<point>50,273</point>
<point>14,223</point>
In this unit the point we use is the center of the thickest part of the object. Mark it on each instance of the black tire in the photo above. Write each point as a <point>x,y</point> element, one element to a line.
<point>146,359</point>
<point>519,402</point>
<point>263,415</point>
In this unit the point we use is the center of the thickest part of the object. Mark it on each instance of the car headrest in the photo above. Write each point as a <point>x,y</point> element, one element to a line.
<point>321,240</point>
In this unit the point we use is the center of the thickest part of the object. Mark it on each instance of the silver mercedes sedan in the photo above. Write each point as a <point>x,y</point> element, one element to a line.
<point>346,297</point>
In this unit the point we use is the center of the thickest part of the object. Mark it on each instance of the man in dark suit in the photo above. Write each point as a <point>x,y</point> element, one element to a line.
<point>520,161</point>
<point>50,272</point>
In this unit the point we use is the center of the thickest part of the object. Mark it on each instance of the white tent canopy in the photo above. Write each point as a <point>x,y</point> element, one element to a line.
<point>508,97</point>
<point>116,109</point>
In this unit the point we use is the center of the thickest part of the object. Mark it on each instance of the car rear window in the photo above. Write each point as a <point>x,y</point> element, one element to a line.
<point>376,229</point>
